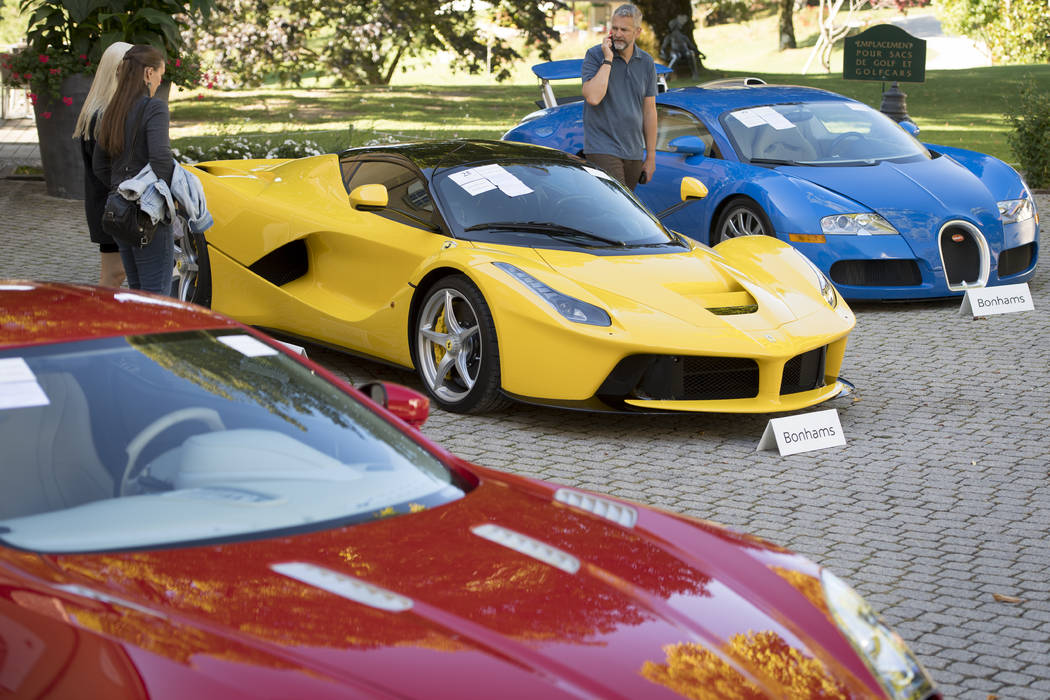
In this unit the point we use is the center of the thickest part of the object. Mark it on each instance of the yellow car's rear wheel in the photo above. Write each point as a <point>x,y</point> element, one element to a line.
<point>455,350</point>
<point>191,280</point>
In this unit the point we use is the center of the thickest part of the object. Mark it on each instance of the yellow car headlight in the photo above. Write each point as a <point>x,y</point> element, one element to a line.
<point>886,654</point>
<point>570,307</point>
<point>827,289</point>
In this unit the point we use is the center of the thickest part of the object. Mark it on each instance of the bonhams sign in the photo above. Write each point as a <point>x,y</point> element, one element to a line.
<point>884,52</point>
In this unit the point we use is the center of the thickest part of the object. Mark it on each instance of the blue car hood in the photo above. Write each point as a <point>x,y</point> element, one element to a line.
<point>916,197</point>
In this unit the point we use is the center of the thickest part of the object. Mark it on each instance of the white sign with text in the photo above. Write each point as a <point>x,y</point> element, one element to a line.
<point>988,301</point>
<point>803,432</point>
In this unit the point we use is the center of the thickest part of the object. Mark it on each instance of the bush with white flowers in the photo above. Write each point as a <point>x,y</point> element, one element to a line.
<point>240,148</point>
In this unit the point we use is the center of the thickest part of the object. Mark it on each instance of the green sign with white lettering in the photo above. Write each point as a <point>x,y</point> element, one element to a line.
<point>884,52</point>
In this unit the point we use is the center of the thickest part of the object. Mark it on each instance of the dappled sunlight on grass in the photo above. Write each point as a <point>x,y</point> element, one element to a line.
<point>963,108</point>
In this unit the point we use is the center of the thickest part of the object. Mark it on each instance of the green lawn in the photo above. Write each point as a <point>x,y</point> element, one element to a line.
<point>952,107</point>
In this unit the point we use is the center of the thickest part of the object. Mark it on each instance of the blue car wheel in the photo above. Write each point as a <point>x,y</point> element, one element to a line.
<point>741,217</point>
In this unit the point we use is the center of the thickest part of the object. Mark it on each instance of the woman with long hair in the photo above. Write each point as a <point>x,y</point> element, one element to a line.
<point>134,132</point>
<point>95,190</point>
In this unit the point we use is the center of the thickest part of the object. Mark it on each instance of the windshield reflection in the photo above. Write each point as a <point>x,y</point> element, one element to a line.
<point>165,439</point>
<point>523,203</point>
<point>818,133</point>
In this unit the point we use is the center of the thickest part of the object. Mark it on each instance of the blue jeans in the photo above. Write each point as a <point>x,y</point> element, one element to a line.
<point>150,267</point>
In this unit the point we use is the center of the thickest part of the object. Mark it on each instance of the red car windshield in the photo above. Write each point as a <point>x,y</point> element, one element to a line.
<point>192,437</point>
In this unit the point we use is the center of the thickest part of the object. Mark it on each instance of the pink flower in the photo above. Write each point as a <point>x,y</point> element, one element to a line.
<point>68,101</point>
<point>200,96</point>
<point>211,85</point>
<point>178,62</point>
<point>83,57</point>
<point>32,98</point>
<point>46,115</point>
<point>55,71</point>
<point>44,58</point>
<point>27,76</point>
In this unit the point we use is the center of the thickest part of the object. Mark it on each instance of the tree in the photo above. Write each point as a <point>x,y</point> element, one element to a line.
<point>658,14</point>
<point>787,24</point>
<point>1016,31</point>
<point>365,42</point>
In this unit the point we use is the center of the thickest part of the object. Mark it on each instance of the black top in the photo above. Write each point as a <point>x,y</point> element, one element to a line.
<point>152,145</point>
<point>95,190</point>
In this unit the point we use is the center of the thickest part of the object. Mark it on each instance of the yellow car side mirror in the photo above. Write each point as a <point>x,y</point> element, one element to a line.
<point>693,189</point>
<point>369,198</point>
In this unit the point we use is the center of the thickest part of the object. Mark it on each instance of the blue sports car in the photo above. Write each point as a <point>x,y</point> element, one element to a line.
<point>881,214</point>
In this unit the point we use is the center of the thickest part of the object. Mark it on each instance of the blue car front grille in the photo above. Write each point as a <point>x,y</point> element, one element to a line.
<point>876,273</point>
<point>1015,260</point>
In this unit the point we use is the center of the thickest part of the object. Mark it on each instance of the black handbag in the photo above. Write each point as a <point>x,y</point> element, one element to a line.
<point>122,218</point>
<point>125,221</point>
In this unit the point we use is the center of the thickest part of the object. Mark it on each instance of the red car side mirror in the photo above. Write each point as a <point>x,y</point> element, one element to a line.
<point>407,404</point>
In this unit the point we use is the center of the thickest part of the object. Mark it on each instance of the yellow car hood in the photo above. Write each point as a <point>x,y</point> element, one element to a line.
<point>698,287</point>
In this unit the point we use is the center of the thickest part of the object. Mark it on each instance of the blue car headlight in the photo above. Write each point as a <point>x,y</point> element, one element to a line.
<point>570,307</point>
<point>863,224</point>
<point>1014,211</point>
<point>885,653</point>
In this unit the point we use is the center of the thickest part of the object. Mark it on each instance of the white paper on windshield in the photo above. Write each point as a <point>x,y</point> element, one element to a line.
<point>749,118</point>
<point>857,107</point>
<point>488,177</point>
<point>471,181</point>
<point>508,184</point>
<point>247,345</point>
<point>774,118</point>
<point>18,385</point>
<point>598,173</point>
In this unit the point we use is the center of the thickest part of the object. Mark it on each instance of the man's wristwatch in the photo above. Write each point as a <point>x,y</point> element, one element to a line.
<point>606,62</point>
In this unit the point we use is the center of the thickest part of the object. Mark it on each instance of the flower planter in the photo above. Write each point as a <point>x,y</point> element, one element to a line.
<point>59,151</point>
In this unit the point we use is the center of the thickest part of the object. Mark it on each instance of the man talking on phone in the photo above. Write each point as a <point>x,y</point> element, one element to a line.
<point>619,114</point>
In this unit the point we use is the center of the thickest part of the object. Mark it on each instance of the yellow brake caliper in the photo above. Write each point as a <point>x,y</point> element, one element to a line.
<point>439,350</point>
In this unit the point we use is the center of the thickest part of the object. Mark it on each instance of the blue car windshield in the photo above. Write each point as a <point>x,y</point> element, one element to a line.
<point>543,203</point>
<point>192,437</point>
<point>819,133</point>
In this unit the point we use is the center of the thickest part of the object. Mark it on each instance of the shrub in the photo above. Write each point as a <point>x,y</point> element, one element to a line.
<point>1030,138</point>
<point>243,148</point>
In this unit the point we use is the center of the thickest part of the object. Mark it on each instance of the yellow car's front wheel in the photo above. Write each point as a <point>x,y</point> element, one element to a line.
<point>455,350</point>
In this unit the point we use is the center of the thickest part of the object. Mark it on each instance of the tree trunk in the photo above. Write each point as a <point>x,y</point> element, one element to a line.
<point>787,25</point>
<point>658,15</point>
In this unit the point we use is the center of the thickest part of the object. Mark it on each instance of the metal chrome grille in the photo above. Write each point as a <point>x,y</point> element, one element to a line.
<point>961,254</point>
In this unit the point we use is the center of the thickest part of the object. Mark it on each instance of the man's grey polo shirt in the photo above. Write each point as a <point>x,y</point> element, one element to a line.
<point>614,126</point>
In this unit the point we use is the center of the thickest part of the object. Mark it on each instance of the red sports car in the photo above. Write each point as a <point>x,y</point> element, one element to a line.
<point>189,509</point>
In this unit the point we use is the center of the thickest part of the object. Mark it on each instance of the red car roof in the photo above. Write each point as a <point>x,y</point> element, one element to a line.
<point>34,313</point>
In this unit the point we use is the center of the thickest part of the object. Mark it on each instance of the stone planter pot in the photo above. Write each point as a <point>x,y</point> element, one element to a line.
<point>59,152</point>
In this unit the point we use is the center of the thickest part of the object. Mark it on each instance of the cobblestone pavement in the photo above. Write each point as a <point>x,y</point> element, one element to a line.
<point>937,504</point>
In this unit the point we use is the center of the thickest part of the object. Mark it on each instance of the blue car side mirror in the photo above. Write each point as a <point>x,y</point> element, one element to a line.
<point>910,127</point>
<point>688,145</point>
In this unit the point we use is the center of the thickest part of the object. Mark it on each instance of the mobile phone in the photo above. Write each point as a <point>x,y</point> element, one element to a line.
<point>612,43</point>
<point>643,178</point>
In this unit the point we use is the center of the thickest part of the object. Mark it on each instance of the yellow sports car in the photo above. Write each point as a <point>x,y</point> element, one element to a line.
<point>499,270</point>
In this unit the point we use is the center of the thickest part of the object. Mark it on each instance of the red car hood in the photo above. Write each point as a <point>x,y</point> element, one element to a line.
<point>578,607</point>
